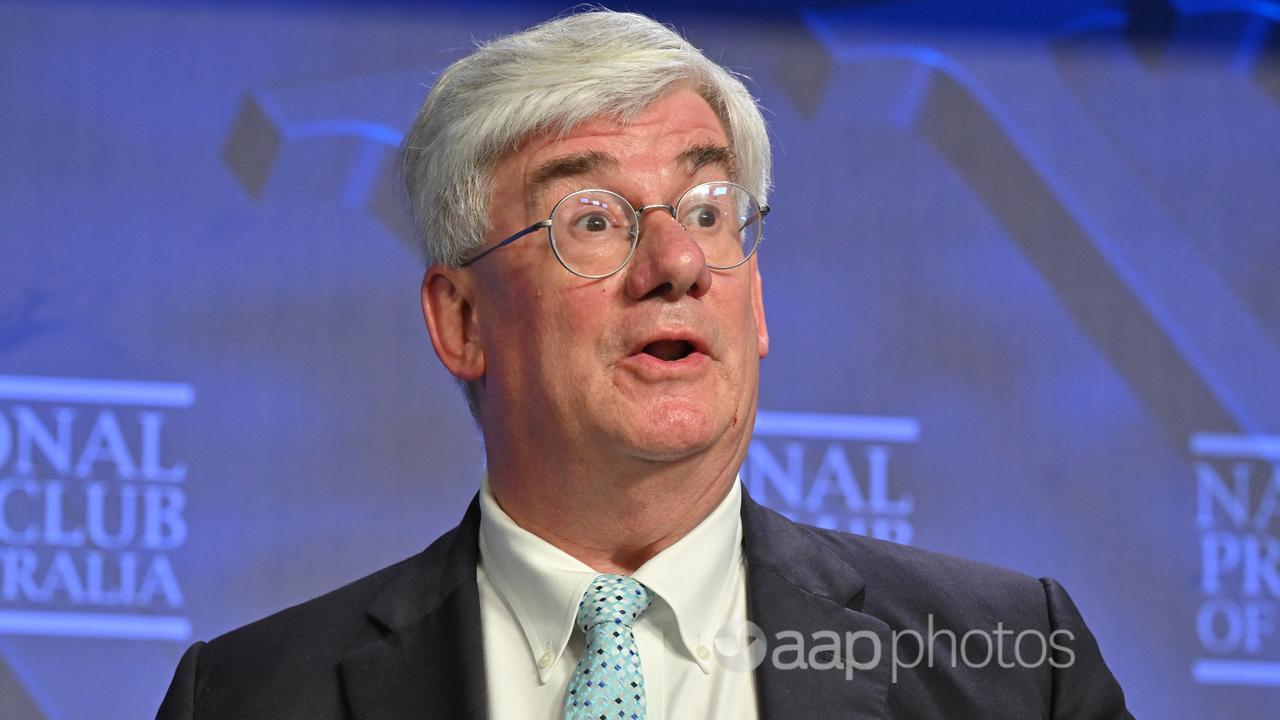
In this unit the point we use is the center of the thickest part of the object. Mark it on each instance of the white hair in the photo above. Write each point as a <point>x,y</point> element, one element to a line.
<point>551,78</point>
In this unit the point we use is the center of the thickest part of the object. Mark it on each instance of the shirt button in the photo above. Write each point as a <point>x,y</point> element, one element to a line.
<point>544,662</point>
<point>703,653</point>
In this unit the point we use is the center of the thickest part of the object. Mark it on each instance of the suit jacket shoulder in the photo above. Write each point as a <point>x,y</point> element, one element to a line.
<point>289,664</point>
<point>958,638</point>
<point>902,581</point>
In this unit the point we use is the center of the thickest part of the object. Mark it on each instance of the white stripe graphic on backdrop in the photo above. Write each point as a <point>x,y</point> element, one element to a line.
<point>94,625</point>
<point>96,392</point>
<point>836,427</point>
<point>1237,672</point>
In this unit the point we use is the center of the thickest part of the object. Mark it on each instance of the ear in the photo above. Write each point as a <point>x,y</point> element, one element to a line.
<point>757,307</point>
<point>448,306</point>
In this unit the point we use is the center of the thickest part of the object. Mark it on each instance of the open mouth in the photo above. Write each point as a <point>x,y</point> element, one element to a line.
<point>669,350</point>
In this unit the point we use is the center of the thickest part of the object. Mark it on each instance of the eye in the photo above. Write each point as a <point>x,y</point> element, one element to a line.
<point>593,223</point>
<point>702,217</point>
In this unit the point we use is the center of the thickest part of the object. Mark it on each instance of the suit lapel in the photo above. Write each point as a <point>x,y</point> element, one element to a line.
<point>430,662</point>
<point>806,600</point>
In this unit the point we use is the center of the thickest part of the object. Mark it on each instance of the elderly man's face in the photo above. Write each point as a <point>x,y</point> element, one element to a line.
<point>658,361</point>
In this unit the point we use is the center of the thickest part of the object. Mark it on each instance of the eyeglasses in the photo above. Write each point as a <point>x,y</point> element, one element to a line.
<point>594,233</point>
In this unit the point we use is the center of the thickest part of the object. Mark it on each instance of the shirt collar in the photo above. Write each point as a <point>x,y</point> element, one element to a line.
<point>695,576</point>
<point>542,584</point>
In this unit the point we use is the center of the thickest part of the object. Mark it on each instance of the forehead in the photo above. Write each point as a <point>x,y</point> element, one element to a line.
<point>657,142</point>
<point>681,115</point>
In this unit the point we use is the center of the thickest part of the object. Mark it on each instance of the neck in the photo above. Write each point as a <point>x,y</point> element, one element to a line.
<point>614,520</point>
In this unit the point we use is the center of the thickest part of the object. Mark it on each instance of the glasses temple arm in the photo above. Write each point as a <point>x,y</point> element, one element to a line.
<point>763,211</point>
<point>536,226</point>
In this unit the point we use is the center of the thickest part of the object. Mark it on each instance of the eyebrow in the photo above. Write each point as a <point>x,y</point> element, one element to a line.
<point>708,154</point>
<point>693,159</point>
<point>565,166</point>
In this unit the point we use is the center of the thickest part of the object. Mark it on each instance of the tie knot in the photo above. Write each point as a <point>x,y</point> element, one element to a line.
<point>613,599</point>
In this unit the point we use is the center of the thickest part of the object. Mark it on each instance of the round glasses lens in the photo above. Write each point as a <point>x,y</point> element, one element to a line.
<point>724,219</point>
<point>593,232</point>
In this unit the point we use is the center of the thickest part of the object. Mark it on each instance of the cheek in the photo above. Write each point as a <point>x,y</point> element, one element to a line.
<point>582,319</point>
<point>741,322</point>
<point>513,326</point>
<point>548,338</point>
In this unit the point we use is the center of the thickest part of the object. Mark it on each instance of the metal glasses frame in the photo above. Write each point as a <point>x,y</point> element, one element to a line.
<point>635,230</point>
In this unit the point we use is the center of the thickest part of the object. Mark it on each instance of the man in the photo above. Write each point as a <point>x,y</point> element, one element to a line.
<point>591,194</point>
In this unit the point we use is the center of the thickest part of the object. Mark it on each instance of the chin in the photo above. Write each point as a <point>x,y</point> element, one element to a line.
<point>673,431</point>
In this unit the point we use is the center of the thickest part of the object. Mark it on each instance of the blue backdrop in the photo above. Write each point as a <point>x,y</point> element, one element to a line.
<point>1022,278</point>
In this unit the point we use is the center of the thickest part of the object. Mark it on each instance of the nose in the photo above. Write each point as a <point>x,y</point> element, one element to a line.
<point>668,262</point>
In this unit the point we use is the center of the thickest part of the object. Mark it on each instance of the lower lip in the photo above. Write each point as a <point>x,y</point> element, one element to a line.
<point>648,366</point>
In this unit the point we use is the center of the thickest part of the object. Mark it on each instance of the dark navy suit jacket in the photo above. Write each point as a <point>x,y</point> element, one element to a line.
<point>405,642</point>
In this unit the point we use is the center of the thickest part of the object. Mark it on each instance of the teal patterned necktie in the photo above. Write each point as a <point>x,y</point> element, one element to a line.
<point>608,684</point>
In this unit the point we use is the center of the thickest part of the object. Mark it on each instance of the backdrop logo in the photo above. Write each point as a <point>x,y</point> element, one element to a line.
<point>1238,518</point>
<point>832,471</point>
<point>92,507</point>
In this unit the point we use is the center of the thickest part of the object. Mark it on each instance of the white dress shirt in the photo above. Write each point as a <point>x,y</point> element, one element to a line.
<point>529,593</point>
